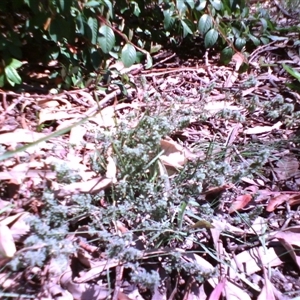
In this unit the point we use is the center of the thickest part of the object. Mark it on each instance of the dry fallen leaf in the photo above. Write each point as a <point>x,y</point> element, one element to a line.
<point>262,129</point>
<point>290,239</point>
<point>218,289</point>
<point>214,107</point>
<point>276,201</point>
<point>240,202</point>
<point>20,136</point>
<point>48,115</point>
<point>286,167</point>
<point>7,244</point>
<point>174,155</point>
<point>91,186</point>
<point>249,261</point>
<point>232,77</point>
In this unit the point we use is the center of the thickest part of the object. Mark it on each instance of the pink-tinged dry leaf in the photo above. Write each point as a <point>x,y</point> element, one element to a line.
<point>217,291</point>
<point>91,186</point>
<point>5,281</point>
<point>239,58</point>
<point>48,115</point>
<point>47,103</point>
<point>108,116</point>
<point>195,258</point>
<point>223,225</point>
<point>217,189</point>
<point>290,239</point>
<point>96,270</point>
<point>192,291</point>
<point>262,129</point>
<point>173,155</point>
<point>256,182</point>
<point>76,135</point>
<point>20,136</point>
<point>249,261</point>
<point>7,244</point>
<point>258,226</point>
<point>111,169</point>
<point>231,79</point>
<point>232,291</point>
<point>19,227</point>
<point>240,202</point>
<point>83,290</point>
<point>286,167</point>
<point>252,188</point>
<point>214,107</point>
<point>294,199</point>
<point>276,201</point>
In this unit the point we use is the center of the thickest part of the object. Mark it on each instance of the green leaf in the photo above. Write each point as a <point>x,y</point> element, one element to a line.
<point>217,4</point>
<point>180,5</point>
<point>186,29</point>
<point>80,24</point>
<point>12,75</point>
<point>92,3</point>
<point>254,39</point>
<point>264,23</point>
<point>128,55</point>
<point>210,38</point>
<point>201,5</point>
<point>136,9</point>
<point>95,58</point>
<point>106,38</point>
<point>65,6</point>
<point>240,43</point>
<point>55,30</point>
<point>168,19</point>
<point>292,71</point>
<point>226,55</point>
<point>149,61</point>
<point>16,64</point>
<point>264,40</point>
<point>93,24</point>
<point>190,3</point>
<point>110,7</point>
<point>2,80</point>
<point>205,23</point>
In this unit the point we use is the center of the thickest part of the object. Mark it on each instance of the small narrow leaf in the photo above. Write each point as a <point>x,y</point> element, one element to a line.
<point>291,71</point>
<point>205,23</point>
<point>12,75</point>
<point>93,24</point>
<point>210,38</point>
<point>93,3</point>
<point>254,39</point>
<point>128,55</point>
<point>106,38</point>
<point>186,29</point>
<point>149,61</point>
<point>110,7</point>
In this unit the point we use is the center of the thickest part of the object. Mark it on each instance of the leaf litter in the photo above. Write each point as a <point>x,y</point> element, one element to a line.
<point>237,256</point>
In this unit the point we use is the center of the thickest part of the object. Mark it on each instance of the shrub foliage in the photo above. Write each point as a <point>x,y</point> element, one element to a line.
<point>82,35</point>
